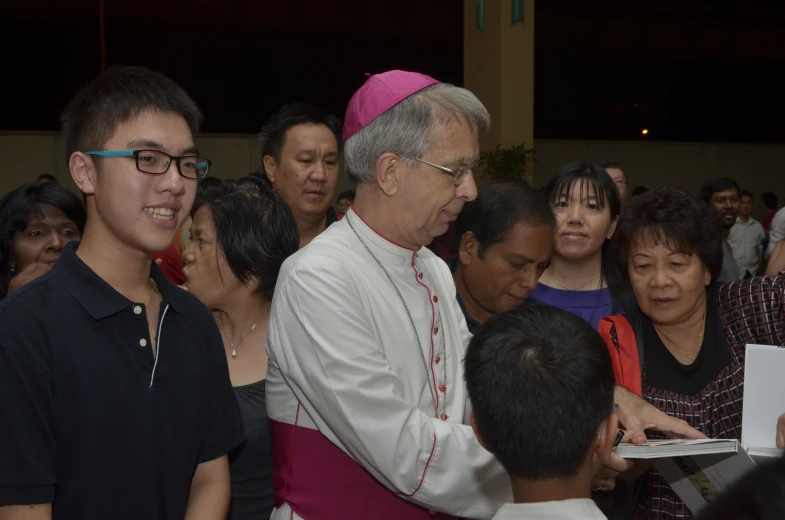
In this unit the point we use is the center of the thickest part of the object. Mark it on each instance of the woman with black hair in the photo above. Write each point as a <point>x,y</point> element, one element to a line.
<point>680,344</point>
<point>36,222</point>
<point>241,234</point>
<point>582,278</point>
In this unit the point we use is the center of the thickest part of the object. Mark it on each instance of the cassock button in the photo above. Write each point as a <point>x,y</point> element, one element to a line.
<point>420,275</point>
<point>444,417</point>
<point>438,358</point>
<point>443,388</point>
<point>435,299</point>
<point>432,512</point>
<point>436,330</point>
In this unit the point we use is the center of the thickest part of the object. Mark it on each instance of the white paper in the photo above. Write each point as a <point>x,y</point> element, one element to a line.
<point>764,395</point>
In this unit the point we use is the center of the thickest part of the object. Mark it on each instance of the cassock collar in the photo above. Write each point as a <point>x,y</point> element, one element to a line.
<point>385,251</point>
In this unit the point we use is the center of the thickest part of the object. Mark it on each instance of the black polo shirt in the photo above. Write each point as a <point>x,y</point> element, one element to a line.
<point>90,420</point>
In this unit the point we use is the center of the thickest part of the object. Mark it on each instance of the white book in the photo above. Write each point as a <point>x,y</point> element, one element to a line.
<point>764,399</point>
<point>697,470</point>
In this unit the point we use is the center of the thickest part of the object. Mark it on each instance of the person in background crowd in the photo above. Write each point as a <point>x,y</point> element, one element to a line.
<point>36,222</point>
<point>183,237</point>
<point>776,229</point>
<point>746,238</point>
<point>345,200</point>
<point>619,178</point>
<point>639,190</point>
<point>582,278</point>
<point>776,262</point>
<point>759,495</point>
<point>122,405</point>
<point>550,446</point>
<point>722,196</point>
<point>46,177</point>
<point>300,146</point>
<point>681,342</point>
<point>242,233</point>
<point>770,204</point>
<point>506,242</point>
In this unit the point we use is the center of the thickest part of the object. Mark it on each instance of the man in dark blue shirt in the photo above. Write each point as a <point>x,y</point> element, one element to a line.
<point>117,401</point>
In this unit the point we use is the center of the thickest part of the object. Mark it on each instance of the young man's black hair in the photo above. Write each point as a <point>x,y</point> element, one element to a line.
<point>541,385</point>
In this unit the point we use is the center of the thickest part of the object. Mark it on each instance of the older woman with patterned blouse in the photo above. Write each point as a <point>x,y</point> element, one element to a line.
<point>681,343</point>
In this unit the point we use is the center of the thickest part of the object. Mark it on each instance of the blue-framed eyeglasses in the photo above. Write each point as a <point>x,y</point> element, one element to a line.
<point>156,162</point>
<point>457,175</point>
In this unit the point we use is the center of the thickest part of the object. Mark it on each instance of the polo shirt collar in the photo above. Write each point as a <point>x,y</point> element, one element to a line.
<point>99,298</point>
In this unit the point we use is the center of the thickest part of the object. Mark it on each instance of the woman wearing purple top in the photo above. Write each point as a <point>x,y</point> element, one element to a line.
<point>582,277</point>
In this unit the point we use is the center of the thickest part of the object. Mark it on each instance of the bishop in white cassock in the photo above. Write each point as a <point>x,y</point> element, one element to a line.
<point>365,390</point>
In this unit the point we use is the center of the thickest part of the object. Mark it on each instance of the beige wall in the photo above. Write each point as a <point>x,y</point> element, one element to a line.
<point>757,168</point>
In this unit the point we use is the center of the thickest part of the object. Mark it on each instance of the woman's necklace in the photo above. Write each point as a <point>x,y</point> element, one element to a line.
<point>567,288</point>
<point>234,349</point>
<point>700,343</point>
<point>444,386</point>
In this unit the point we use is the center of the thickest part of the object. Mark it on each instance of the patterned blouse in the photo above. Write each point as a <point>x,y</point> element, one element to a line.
<point>747,311</point>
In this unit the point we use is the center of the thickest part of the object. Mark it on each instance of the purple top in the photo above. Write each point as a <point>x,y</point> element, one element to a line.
<point>592,306</point>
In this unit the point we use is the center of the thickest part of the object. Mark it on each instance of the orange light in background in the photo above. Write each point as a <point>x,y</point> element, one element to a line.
<point>645,131</point>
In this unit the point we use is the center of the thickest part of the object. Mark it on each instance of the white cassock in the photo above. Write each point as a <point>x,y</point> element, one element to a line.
<point>354,427</point>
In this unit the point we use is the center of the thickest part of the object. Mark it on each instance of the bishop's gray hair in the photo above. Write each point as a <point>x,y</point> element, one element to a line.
<point>405,128</point>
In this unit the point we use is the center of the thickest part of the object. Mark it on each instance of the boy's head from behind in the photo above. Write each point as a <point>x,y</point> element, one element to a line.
<point>132,109</point>
<point>541,385</point>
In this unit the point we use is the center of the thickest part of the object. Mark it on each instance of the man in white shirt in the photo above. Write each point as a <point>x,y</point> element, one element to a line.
<point>746,238</point>
<point>777,229</point>
<point>550,446</point>
<point>369,414</point>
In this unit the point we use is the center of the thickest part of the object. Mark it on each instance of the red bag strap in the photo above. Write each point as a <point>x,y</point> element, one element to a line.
<point>625,358</point>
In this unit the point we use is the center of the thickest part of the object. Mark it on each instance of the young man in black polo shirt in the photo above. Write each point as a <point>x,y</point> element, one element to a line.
<point>116,395</point>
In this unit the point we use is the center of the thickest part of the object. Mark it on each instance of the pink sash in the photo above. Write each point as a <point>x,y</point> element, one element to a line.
<point>321,482</point>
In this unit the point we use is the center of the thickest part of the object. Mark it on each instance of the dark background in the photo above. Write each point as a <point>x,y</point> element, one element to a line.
<point>697,70</point>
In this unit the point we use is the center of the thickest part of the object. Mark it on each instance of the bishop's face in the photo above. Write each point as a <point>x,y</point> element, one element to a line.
<point>431,199</point>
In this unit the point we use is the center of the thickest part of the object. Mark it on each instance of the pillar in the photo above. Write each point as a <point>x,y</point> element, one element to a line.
<point>498,66</point>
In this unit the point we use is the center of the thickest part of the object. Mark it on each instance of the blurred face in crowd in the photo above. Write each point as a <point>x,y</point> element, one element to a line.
<point>307,170</point>
<point>343,206</point>
<point>429,199</point>
<point>670,285</point>
<point>43,239</point>
<point>503,276</point>
<point>620,180</point>
<point>745,206</point>
<point>209,276</point>
<point>138,210</point>
<point>726,205</point>
<point>582,226</point>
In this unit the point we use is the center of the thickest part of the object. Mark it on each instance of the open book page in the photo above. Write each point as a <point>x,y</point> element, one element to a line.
<point>698,479</point>
<point>764,395</point>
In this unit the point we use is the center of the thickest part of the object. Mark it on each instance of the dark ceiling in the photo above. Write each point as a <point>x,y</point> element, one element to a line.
<point>688,70</point>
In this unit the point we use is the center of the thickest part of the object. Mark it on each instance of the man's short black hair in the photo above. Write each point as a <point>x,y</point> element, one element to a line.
<point>713,186</point>
<point>769,200</point>
<point>746,193</point>
<point>348,195</point>
<point>615,165</point>
<point>273,133</point>
<point>499,206</point>
<point>47,177</point>
<point>118,96</point>
<point>541,383</point>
